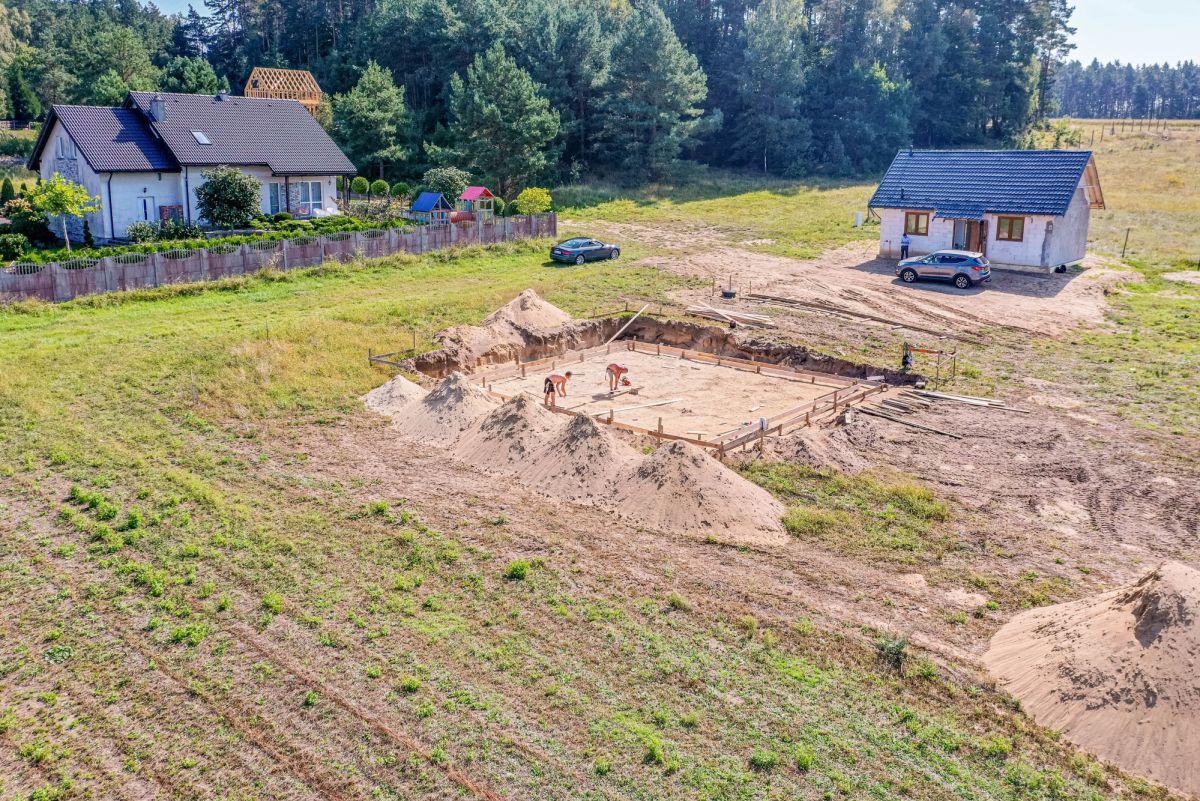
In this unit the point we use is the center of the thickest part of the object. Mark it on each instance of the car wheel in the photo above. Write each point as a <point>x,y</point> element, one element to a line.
<point>908,276</point>
<point>962,282</point>
<point>616,253</point>
<point>580,259</point>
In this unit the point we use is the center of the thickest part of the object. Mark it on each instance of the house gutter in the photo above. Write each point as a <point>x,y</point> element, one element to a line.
<point>187,195</point>
<point>112,226</point>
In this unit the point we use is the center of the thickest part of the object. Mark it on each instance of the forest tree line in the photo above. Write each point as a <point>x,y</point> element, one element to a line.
<point>1115,90</point>
<point>518,90</point>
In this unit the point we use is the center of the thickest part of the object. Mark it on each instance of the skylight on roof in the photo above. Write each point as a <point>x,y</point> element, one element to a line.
<point>201,137</point>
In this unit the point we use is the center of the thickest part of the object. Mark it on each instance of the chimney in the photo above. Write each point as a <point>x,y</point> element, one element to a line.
<point>158,108</point>
<point>222,95</point>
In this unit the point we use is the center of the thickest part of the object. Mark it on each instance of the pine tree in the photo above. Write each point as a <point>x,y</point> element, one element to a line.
<point>651,105</point>
<point>773,131</point>
<point>7,192</point>
<point>369,121</point>
<point>191,76</point>
<point>25,103</point>
<point>500,124</point>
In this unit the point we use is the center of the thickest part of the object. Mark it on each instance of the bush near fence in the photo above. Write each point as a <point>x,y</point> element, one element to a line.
<point>133,269</point>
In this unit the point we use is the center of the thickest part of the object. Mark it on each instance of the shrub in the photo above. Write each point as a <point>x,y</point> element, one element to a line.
<point>804,758</point>
<point>764,760</point>
<point>678,602</point>
<point>273,602</point>
<point>892,650</point>
<point>27,221</point>
<point>13,246</point>
<point>380,188</point>
<point>141,232</point>
<point>89,241</point>
<point>15,146</point>
<point>360,186</point>
<point>228,198</point>
<point>7,192</point>
<point>282,216</point>
<point>499,206</point>
<point>533,200</point>
<point>450,181</point>
<point>400,189</point>
<point>311,698</point>
<point>410,684</point>
<point>516,570</point>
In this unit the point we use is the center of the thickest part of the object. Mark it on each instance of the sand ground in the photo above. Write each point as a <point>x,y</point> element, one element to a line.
<point>708,399</point>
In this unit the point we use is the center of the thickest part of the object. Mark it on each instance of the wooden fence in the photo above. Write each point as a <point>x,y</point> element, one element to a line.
<point>61,281</point>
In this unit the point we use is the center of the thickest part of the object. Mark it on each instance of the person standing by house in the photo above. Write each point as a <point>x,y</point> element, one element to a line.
<point>905,241</point>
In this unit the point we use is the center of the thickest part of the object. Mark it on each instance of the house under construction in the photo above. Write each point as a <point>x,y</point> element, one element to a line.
<point>298,85</point>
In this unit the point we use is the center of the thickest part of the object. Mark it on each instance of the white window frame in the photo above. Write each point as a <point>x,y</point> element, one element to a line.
<point>311,196</point>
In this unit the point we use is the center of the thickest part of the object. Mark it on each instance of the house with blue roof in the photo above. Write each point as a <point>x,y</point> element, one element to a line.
<point>432,208</point>
<point>1020,208</point>
<point>145,159</point>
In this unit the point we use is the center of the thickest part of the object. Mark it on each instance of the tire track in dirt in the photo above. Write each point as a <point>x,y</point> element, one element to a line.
<point>84,699</point>
<point>252,642</point>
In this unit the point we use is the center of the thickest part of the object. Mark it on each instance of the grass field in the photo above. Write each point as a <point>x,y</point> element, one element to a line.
<point>182,605</point>
<point>188,611</point>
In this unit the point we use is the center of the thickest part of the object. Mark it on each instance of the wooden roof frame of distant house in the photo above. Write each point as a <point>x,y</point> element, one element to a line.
<point>274,82</point>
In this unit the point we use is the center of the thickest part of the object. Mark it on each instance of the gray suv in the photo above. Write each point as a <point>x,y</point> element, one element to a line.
<point>964,268</point>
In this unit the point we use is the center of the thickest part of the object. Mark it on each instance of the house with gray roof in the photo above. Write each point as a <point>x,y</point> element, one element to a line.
<point>1020,208</point>
<point>145,159</point>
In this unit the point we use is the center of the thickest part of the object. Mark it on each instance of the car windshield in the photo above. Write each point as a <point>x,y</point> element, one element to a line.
<point>574,243</point>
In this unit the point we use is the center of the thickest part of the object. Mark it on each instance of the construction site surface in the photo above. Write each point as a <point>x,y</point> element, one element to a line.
<point>678,393</point>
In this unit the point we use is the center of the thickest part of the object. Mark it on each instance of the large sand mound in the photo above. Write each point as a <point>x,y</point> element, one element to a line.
<point>529,312</point>
<point>1118,674</point>
<point>449,409</point>
<point>580,463</point>
<point>510,326</point>
<point>510,436</point>
<point>393,396</point>
<point>679,487</point>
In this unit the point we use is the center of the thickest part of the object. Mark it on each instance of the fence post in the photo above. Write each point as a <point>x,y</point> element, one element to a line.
<point>110,279</point>
<point>203,253</point>
<point>156,279</point>
<point>62,288</point>
<point>283,243</point>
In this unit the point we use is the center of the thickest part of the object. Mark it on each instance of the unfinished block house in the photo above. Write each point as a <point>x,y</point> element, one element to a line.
<point>1020,208</point>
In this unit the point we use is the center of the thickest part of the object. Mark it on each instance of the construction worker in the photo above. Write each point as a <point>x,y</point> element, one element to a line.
<point>554,386</point>
<point>615,374</point>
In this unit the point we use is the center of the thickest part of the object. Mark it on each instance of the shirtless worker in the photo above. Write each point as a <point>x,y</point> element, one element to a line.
<point>555,385</point>
<point>614,373</point>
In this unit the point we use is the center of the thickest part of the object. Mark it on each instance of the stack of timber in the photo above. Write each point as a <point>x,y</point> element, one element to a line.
<point>927,397</point>
<point>745,319</point>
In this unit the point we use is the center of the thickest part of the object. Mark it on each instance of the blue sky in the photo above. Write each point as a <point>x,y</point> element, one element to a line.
<point>1137,31</point>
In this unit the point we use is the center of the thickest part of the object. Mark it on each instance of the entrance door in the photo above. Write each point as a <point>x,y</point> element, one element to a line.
<point>149,211</point>
<point>961,235</point>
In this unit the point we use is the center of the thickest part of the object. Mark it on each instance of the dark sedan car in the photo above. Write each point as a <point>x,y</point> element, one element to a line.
<point>579,250</point>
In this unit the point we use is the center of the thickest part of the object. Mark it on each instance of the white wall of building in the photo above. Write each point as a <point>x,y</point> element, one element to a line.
<point>265,178</point>
<point>1047,241</point>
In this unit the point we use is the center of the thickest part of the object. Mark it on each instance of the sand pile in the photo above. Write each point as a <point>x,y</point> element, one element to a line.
<point>528,312</point>
<point>680,488</point>
<point>393,396</point>
<point>580,463</point>
<point>506,329</point>
<point>450,408</point>
<point>1118,674</point>
<point>510,436</point>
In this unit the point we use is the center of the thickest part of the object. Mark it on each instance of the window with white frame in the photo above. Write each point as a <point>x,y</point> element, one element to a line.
<point>310,197</point>
<point>65,148</point>
<point>275,198</point>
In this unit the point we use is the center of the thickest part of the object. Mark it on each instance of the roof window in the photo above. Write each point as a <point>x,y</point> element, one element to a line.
<point>201,137</point>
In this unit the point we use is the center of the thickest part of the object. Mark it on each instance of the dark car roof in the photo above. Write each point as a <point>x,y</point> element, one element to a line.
<point>109,139</point>
<point>969,183</point>
<point>244,131</point>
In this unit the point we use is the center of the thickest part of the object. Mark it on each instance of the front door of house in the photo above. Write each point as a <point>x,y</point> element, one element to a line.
<point>962,235</point>
<point>149,212</point>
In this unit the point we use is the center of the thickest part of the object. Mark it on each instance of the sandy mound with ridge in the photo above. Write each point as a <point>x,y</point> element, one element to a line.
<point>676,488</point>
<point>528,312</point>
<point>525,316</point>
<point>446,411</point>
<point>393,396</point>
<point>680,487</point>
<point>1118,674</point>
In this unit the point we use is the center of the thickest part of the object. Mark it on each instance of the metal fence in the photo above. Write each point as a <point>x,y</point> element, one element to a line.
<point>60,281</point>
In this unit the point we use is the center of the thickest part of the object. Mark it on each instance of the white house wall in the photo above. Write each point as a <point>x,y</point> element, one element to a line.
<point>128,189</point>
<point>1069,241</point>
<point>75,169</point>
<point>891,229</point>
<point>264,177</point>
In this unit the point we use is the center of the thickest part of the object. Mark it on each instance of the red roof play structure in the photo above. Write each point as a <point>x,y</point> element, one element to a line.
<point>475,193</point>
<point>476,201</point>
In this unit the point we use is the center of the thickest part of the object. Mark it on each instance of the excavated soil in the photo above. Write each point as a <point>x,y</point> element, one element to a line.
<point>676,488</point>
<point>445,412</point>
<point>393,396</point>
<point>1118,674</point>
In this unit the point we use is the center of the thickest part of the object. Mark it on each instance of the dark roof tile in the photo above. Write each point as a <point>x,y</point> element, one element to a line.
<point>110,139</point>
<point>976,181</point>
<point>245,131</point>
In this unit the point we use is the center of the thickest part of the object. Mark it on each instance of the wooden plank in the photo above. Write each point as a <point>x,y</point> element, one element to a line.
<point>639,406</point>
